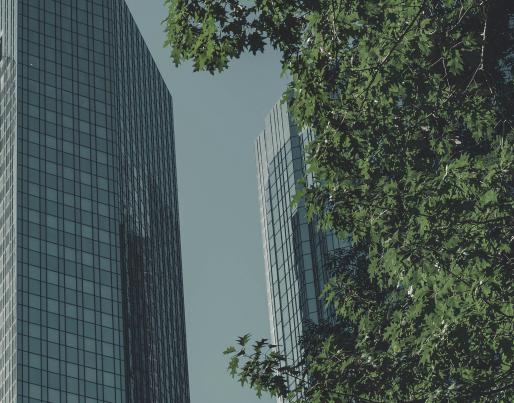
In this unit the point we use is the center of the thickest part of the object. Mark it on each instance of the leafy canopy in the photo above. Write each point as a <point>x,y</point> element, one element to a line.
<point>413,103</point>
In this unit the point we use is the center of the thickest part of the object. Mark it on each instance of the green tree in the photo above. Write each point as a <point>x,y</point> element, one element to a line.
<point>412,102</point>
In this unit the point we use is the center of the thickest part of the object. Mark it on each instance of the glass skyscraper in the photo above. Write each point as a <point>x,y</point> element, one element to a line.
<point>295,251</point>
<point>90,266</point>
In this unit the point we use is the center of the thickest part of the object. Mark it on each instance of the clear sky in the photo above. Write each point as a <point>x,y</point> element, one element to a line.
<point>217,119</point>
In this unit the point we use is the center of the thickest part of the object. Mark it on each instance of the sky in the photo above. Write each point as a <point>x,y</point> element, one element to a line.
<point>217,119</point>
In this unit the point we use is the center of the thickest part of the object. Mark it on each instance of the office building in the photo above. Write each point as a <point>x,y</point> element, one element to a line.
<point>90,265</point>
<point>295,250</point>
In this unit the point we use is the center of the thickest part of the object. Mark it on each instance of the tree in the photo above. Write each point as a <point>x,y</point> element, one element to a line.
<point>412,102</point>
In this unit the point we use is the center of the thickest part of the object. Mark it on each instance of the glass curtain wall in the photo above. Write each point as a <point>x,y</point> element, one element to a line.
<point>295,250</point>
<point>90,266</point>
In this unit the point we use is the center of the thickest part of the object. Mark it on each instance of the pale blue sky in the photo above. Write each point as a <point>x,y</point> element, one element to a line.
<point>217,119</point>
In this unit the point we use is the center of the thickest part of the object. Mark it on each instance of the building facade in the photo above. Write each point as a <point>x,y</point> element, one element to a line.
<point>90,266</point>
<point>295,251</point>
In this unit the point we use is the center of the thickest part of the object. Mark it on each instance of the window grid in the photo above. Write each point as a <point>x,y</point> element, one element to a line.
<point>295,251</point>
<point>72,120</point>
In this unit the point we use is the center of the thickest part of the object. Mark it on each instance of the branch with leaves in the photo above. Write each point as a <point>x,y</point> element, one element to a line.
<point>412,105</point>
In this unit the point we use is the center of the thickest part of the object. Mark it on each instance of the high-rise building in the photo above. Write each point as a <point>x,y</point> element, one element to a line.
<point>90,266</point>
<point>295,250</point>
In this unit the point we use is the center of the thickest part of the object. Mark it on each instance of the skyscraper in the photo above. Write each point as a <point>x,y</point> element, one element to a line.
<point>295,250</point>
<point>90,265</point>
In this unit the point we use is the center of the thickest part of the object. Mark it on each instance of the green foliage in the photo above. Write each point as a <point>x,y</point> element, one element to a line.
<point>263,369</point>
<point>413,103</point>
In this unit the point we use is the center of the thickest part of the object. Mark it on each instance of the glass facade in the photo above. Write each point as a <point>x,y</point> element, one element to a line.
<point>91,282</point>
<point>151,260</point>
<point>8,121</point>
<point>295,250</point>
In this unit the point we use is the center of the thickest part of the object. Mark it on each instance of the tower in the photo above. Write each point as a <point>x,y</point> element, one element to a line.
<point>295,250</point>
<point>90,268</point>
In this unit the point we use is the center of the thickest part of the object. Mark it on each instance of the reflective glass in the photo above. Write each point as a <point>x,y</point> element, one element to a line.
<point>295,251</point>
<point>90,266</point>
